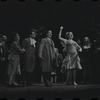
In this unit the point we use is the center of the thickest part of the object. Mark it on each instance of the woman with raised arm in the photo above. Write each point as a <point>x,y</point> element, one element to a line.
<point>71,61</point>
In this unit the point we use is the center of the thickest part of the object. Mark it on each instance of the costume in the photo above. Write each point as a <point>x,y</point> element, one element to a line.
<point>71,59</point>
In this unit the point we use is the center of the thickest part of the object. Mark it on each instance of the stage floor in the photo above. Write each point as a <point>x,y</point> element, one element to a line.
<point>56,91</point>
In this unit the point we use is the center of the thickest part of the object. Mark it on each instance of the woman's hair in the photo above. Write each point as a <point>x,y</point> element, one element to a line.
<point>86,40</point>
<point>69,35</point>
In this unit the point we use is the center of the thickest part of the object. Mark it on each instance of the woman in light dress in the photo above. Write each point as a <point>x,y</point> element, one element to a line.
<point>71,61</point>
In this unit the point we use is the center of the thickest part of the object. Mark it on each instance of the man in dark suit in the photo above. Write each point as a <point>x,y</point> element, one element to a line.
<point>47,55</point>
<point>29,44</point>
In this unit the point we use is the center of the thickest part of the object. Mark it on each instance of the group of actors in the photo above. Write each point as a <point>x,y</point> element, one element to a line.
<point>50,58</point>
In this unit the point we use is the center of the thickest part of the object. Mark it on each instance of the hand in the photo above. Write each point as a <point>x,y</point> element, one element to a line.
<point>41,56</point>
<point>3,59</point>
<point>0,44</point>
<point>80,50</point>
<point>98,48</point>
<point>23,50</point>
<point>61,27</point>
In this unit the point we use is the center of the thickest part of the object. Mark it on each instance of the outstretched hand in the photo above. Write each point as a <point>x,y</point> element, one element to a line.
<point>61,27</point>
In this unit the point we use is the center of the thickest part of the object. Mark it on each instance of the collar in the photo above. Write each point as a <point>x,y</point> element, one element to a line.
<point>33,40</point>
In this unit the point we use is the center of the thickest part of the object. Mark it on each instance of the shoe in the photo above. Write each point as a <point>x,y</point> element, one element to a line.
<point>75,83</point>
<point>52,84</point>
<point>16,84</point>
<point>23,84</point>
<point>10,85</point>
<point>66,83</point>
<point>83,82</point>
<point>47,85</point>
<point>29,84</point>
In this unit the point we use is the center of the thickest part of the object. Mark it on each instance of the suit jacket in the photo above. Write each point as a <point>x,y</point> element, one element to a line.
<point>29,55</point>
<point>47,51</point>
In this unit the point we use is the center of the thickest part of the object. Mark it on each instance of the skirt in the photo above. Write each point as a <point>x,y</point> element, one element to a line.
<point>71,61</point>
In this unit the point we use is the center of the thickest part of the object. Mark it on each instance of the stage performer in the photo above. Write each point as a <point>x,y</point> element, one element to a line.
<point>29,44</point>
<point>47,55</point>
<point>71,61</point>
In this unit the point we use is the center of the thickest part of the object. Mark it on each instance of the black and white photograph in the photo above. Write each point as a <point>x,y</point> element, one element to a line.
<point>50,49</point>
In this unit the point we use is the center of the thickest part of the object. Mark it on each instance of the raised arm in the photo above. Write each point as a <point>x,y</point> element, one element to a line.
<point>62,39</point>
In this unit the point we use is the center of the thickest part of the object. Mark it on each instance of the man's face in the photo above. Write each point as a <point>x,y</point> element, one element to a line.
<point>33,35</point>
<point>5,38</point>
<point>49,34</point>
<point>86,39</point>
<point>71,35</point>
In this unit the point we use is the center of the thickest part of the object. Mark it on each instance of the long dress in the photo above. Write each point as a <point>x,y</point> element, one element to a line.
<point>71,59</point>
<point>86,57</point>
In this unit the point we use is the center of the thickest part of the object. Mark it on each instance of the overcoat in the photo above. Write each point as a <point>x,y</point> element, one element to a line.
<point>47,52</point>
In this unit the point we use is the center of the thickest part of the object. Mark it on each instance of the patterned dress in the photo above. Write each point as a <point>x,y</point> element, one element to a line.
<point>71,59</point>
<point>14,59</point>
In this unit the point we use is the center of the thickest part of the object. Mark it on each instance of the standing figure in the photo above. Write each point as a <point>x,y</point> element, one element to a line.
<point>58,63</point>
<point>47,55</point>
<point>29,44</point>
<point>1,58</point>
<point>86,58</point>
<point>14,60</point>
<point>5,62</point>
<point>71,61</point>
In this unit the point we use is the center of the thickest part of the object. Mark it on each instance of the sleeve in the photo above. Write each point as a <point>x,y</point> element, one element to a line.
<point>41,47</point>
<point>4,50</point>
<point>54,54</point>
<point>63,40</point>
<point>24,44</point>
<point>17,47</point>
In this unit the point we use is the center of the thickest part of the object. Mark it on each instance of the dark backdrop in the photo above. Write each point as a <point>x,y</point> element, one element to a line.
<point>82,18</point>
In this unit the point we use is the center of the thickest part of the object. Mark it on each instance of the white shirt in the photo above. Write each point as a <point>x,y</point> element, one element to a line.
<point>33,41</point>
<point>49,39</point>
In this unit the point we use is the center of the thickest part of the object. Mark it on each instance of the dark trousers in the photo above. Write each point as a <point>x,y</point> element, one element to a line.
<point>3,71</point>
<point>46,78</point>
<point>27,77</point>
